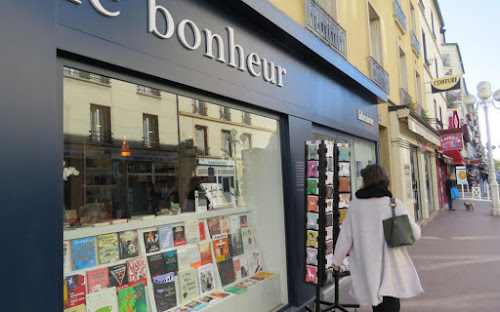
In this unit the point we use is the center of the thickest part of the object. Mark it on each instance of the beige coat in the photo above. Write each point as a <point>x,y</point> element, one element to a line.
<point>376,269</point>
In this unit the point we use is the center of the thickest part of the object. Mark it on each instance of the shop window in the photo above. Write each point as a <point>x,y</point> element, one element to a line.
<point>199,107</point>
<point>129,208</point>
<point>100,124</point>
<point>225,113</point>
<point>150,130</point>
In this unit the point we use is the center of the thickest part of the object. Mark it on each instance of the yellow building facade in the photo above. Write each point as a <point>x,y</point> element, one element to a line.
<point>383,39</point>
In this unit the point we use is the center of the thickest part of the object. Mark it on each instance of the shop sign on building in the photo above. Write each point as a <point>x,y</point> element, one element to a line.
<point>461,175</point>
<point>365,118</point>
<point>451,141</point>
<point>446,83</point>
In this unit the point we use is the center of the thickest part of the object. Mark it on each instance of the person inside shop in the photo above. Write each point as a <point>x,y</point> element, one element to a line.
<point>450,182</point>
<point>381,275</point>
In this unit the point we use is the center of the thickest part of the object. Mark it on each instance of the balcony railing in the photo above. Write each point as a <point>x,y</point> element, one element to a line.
<point>148,91</point>
<point>400,16</point>
<point>414,42</point>
<point>379,75</point>
<point>86,75</point>
<point>151,142</point>
<point>101,136</point>
<point>405,97</point>
<point>325,27</point>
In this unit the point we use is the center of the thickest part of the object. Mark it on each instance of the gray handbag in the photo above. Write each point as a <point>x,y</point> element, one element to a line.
<point>397,229</point>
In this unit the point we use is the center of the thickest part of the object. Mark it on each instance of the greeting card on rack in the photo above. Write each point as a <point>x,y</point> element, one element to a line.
<point>312,238</point>
<point>201,225</point>
<point>328,205</point>
<point>344,169</point>
<point>344,200</point>
<point>329,192</point>
<point>97,280</point>
<point>312,150</point>
<point>151,241</point>
<point>244,266</point>
<point>166,235</point>
<point>328,276</point>
<point>312,220</point>
<point>312,203</point>
<point>66,257</point>
<point>329,247</point>
<point>164,291</point>
<point>312,186</point>
<point>344,184</point>
<point>329,233</point>
<point>311,274</point>
<point>129,246</point>
<point>78,308</point>
<point>108,248</point>
<point>312,256</point>
<point>329,219</point>
<point>243,221</point>
<point>83,253</point>
<point>343,152</point>
<point>343,213</point>
<point>312,169</point>
<point>329,177</point>
<point>329,261</point>
<point>329,165</point>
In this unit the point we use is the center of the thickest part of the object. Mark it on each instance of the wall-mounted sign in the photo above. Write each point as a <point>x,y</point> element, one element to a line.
<point>365,118</point>
<point>446,83</point>
<point>451,141</point>
<point>461,175</point>
<point>222,48</point>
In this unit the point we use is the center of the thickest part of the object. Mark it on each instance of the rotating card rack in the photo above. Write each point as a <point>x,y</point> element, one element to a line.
<point>327,186</point>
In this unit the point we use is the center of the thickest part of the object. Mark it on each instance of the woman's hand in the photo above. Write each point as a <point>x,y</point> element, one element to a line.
<point>336,268</point>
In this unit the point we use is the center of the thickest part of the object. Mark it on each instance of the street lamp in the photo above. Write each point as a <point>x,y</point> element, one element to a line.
<point>485,101</point>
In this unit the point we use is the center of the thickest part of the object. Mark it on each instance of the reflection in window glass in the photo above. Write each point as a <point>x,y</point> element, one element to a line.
<point>132,152</point>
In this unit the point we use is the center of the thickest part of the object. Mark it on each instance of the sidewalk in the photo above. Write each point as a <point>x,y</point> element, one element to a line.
<point>458,261</point>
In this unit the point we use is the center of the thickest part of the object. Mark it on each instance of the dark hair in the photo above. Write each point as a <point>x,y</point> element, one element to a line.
<point>374,175</point>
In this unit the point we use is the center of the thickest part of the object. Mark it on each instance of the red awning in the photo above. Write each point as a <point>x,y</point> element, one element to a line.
<point>457,157</point>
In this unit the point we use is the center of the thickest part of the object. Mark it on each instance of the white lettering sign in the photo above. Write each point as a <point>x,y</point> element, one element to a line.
<point>365,118</point>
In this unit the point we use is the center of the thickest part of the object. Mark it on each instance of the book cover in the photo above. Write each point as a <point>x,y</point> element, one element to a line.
<point>205,252</point>
<point>226,271</point>
<point>265,275</point>
<point>194,256</point>
<point>344,169</point>
<point>344,184</point>
<point>311,274</point>
<point>78,308</point>
<point>196,305</point>
<point>103,301</point>
<point>237,268</point>
<point>220,245</point>
<point>75,291</point>
<point>312,256</point>
<point>234,223</point>
<point>183,309</point>
<point>118,275</point>
<point>156,265</point>
<point>219,294</point>
<point>97,279</point>
<point>206,280</point>
<point>108,248</point>
<point>245,284</point>
<point>312,238</point>
<point>136,269</point>
<point>201,225</point>
<point>132,299</point>
<point>243,221</point>
<point>328,205</point>
<point>257,279</point>
<point>255,261</point>
<point>179,236</point>
<point>312,169</point>
<point>235,244</point>
<point>234,290</point>
<point>183,259</point>
<point>129,246</point>
<point>83,253</point>
<point>166,236</point>
<point>170,261</point>
<point>164,291</point>
<point>344,200</point>
<point>151,241</point>
<point>312,220</point>
<point>248,239</point>
<point>213,226</point>
<point>188,284</point>
<point>225,227</point>
<point>244,267</point>
<point>66,257</point>
<point>192,228</point>
<point>312,203</point>
<point>312,186</point>
<point>208,299</point>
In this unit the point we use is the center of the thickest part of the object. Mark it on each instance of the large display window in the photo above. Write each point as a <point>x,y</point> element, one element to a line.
<point>170,201</point>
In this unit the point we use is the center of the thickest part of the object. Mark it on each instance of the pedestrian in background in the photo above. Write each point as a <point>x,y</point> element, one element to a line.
<point>450,182</point>
<point>381,275</point>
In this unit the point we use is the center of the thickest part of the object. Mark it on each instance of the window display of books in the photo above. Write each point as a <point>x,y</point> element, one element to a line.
<point>189,265</point>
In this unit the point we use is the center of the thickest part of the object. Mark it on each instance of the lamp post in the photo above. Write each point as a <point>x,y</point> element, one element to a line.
<point>485,101</point>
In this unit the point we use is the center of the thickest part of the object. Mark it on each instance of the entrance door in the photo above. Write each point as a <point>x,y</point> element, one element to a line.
<point>415,183</point>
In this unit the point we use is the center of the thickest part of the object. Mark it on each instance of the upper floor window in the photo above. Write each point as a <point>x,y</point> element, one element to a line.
<point>432,24</point>
<point>227,146</point>
<point>148,91</point>
<point>225,113</point>
<point>246,141</point>
<point>376,36</point>
<point>329,6</point>
<point>150,130</point>
<point>100,123</point>
<point>72,72</point>
<point>199,107</point>
<point>246,118</point>
<point>446,60</point>
<point>201,140</point>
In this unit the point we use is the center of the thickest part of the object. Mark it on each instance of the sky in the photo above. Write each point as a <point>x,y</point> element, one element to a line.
<point>474,25</point>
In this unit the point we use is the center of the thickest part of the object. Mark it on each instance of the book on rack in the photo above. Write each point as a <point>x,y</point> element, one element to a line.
<point>220,244</point>
<point>206,278</point>
<point>97,280</point>
<point>170,261</point>
<point>166,236</point>
<point>205,252</point>
<point>255,261</point>
<point>234,290</point>
<point>118,275</point>
<point>244,266</point>
<point>83,253</point>
<point>266,275</point>
<point>183,258</point>
<point>188,284</point>
<point>226,272</point>
<point>201,225</point>
<point>164,291</point>
<point>151,241</point>
<point>213,226</point>
<point>219,294</point>
<point>66,257</point>
<point>243,221</point>
<point>78,308</point>
<point>196,305</point>
<point>133,299</point>
<point>108,248</point>
<point>237,268</point>
<point>245,284</point>
<point>137,270</point>
<point>234,223</point>
<point>179,236</point>
<point>225,227</point>
<point>248,239</point>
<point>208,299</point>
<point>75,291</point>
<point>194,256</point>
<point>156,265</point>
<point>192,228</point>
<point>104,300</point>
<point>129,246</point>
<point>235,244</point>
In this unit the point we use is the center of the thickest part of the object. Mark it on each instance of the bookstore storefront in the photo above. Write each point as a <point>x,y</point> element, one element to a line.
<point>180,128</point>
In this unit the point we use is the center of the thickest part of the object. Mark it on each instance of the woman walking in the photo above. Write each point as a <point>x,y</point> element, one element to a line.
<point>450,182</point>
<point>380,275</point>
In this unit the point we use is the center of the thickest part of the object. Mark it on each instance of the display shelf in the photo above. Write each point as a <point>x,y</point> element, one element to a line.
<point>70,234</point>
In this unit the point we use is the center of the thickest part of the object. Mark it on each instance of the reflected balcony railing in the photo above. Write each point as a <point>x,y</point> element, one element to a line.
<point>202,151</point>
<point>379,75</point>
<point>86,75</point>
<point>151,142</point>
<point>101,136</point>
<point>400,16</point>
<point>321,24</point>
<point>414,42</point>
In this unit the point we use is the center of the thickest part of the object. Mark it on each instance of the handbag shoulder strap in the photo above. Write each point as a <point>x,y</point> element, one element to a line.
<point>393,206</point>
